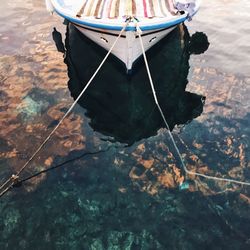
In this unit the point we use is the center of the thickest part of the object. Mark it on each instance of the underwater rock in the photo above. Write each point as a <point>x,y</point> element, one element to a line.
<point>64,194</point>
<point>97,244</point>
<point>114,239</point>
<point>244,198</point>
<point>30,108</point>
<point>11,218</point>
<point>90,207</point>
<point>184,186</point>
<point>128,241</point>
<point>167,180</point>
<point>145,240</point>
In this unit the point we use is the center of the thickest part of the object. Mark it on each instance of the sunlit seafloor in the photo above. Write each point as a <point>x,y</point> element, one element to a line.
<point>117,179</point>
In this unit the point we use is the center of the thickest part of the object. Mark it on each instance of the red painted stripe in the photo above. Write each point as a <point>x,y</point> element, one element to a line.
<point>145,8</point>
<point>133,8</point>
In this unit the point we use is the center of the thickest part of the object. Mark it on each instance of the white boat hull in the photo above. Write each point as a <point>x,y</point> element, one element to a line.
<point>128,48</point>
<point>102,21</point>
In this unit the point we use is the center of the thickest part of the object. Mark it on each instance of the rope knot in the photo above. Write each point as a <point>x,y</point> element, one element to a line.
<point>14,178</point>
<point>138,30</point>
<point>131,19</point>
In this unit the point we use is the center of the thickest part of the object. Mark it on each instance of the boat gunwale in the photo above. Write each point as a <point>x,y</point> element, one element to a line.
<point>111,24</point>
<point>124,36</point>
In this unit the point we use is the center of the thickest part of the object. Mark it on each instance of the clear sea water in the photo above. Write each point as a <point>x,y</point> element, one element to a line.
<point>116,181</point>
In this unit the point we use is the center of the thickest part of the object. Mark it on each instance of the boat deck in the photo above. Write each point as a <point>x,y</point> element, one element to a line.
<point>111,14</point>
<point>116,9</point>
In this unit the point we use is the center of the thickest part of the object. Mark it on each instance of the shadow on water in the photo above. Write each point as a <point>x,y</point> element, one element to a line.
<point>104,210</point>
<point>122,106</point>
<point>57,37</point>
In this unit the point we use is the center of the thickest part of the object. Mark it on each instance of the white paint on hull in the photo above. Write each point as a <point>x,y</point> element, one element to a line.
<point>128,48</point>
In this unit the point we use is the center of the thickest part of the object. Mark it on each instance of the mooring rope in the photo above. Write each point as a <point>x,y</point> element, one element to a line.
<point>14,178</point>
<point>139,32</point>
<point>20,182</point>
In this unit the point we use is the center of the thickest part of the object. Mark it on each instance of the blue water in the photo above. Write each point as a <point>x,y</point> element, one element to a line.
<point>116,181</point>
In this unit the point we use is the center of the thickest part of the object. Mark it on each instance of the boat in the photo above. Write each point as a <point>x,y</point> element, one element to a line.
<point>103,20</point>
<point>115,104</point>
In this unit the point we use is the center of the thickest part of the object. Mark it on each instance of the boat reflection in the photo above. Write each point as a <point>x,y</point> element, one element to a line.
<point>122,106</point>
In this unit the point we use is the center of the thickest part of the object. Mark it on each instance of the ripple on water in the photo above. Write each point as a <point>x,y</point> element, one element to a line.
<point>116,197</point>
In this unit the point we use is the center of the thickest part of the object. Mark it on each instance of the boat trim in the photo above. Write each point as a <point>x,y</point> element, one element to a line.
<point>160,23</point>
<point>129,28</point>
<point>112,34</point>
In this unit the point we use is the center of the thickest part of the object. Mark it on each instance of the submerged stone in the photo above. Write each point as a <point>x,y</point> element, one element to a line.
<point>97,244</point>
<point>184,186</point>
<point>64,194</point>
<point>29,108</point>
<point>11,219</point>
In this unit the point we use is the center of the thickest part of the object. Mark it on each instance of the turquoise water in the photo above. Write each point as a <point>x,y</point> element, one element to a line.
<point>116,178</point>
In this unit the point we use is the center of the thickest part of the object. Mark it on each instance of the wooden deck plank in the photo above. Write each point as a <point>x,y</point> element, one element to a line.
<point>119,8</point>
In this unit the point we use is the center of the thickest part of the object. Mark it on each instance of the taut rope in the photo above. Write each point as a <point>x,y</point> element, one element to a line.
<point>167,126</point>
<point>14,178</point>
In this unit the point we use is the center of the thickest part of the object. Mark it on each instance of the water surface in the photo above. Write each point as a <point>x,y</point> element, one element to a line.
<point>117,184</point>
